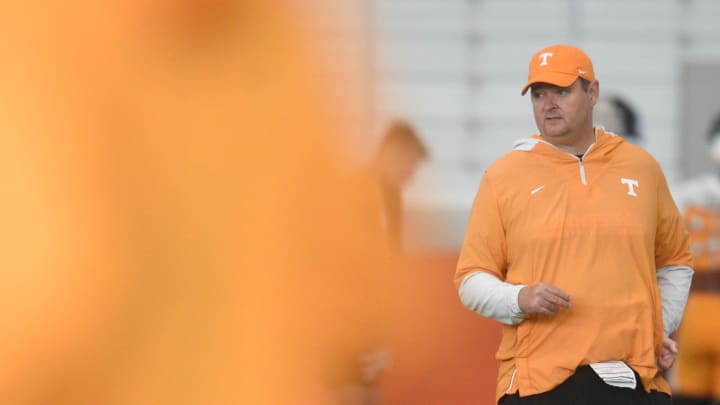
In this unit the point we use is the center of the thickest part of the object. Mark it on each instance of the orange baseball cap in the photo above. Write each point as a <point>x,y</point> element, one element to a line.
<point>559,65</point>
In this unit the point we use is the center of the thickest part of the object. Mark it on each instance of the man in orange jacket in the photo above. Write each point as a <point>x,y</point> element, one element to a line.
<point>575,245</point>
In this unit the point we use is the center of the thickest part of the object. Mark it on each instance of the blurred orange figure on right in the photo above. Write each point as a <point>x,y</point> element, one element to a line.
<point>697,375</point>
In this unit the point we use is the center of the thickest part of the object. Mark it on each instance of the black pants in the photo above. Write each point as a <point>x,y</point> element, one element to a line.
<point>587,388</point>
<point>682,400</point>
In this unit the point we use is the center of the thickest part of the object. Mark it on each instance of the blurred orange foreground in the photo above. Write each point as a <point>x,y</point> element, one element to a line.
<point>175,228</point>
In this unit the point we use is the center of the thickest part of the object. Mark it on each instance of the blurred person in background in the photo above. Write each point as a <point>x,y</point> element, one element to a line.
<point>392,167</point>
<point>380,184</point>
<point>696,378</point>
<point>574,244</point>
<point>615,114</point>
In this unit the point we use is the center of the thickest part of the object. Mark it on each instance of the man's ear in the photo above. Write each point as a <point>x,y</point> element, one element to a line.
<point>594,91</point>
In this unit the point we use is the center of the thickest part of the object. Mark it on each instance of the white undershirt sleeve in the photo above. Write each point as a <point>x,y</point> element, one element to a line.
<point>674,284</point>
<point>487,295</point>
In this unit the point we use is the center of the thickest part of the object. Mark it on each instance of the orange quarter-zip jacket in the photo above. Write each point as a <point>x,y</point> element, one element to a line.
<point>598,228</point>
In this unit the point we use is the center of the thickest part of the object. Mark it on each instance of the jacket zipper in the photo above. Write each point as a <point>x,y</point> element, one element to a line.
<point>582,172</point>
<point>583,179</point>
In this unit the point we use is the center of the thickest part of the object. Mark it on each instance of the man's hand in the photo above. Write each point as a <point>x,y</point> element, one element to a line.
<point>542,298</point>
<point>666,359</point>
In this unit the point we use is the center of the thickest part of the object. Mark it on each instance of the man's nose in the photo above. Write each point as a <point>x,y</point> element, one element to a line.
<point>549,102</point>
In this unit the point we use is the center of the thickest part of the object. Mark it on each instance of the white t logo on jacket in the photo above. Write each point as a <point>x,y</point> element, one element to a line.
<point>631,183</point>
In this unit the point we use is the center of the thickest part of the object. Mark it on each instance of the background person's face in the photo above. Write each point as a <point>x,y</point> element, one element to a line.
<point>404,165</point>
<point>714,149</point>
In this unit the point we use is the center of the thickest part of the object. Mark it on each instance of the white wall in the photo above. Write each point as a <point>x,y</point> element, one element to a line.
<point>455,69</point>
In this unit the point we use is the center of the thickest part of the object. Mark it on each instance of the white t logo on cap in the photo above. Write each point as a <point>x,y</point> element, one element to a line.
<point>544,57</point>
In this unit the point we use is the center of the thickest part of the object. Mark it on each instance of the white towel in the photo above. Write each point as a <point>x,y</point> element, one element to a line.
<point>615,373</point>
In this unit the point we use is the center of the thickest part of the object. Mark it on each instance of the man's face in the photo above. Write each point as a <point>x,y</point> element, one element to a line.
<point>563,111</point>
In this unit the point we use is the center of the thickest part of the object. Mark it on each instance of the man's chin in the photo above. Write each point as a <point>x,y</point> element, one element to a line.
<point>553,133</point>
